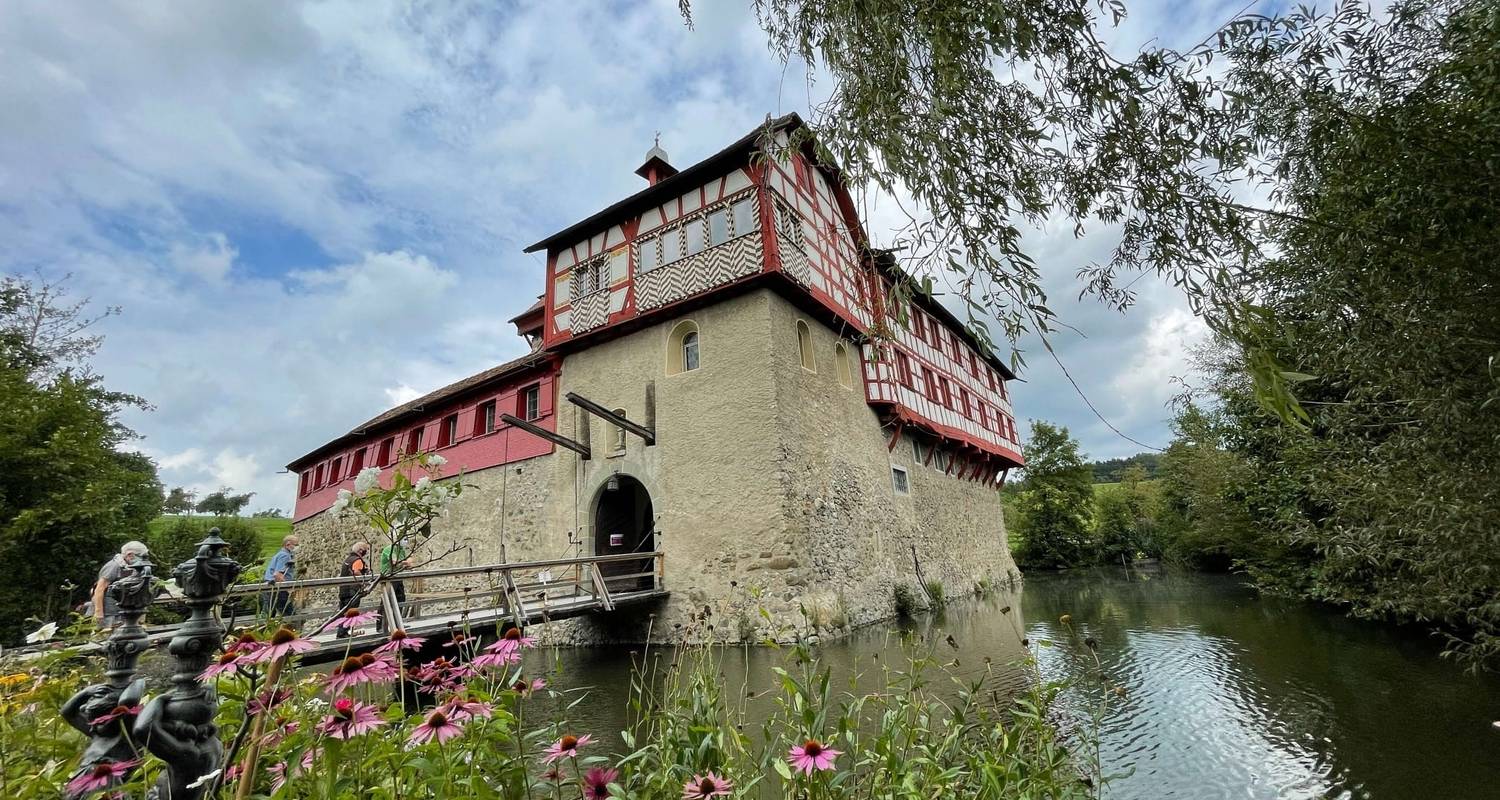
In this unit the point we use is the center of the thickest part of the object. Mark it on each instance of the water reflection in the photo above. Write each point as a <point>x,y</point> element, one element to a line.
<point>1228,695</point>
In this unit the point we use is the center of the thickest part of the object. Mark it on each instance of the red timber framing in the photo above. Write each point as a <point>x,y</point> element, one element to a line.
<point>810,245</point>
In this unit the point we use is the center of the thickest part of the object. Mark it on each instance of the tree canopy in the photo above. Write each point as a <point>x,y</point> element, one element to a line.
<point>68,496</point>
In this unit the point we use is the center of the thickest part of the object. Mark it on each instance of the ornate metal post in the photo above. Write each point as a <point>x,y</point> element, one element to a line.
<point>178,727</point>
<point>117,700</point>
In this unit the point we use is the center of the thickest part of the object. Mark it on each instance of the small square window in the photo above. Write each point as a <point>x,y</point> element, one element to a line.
<point>484,418</point>
<point>899,481</point>
<point>650,254</point>
<point>744,216</point>
<point>531,402</point>
<point>448,432</point>
<point>718,227</point>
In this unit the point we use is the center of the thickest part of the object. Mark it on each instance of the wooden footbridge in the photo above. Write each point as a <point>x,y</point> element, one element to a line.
<point>479,598</point>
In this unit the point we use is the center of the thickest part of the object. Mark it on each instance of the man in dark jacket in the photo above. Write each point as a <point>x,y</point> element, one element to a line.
<point>356,565</point>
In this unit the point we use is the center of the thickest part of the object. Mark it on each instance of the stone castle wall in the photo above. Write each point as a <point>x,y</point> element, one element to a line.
<point>771,487</point>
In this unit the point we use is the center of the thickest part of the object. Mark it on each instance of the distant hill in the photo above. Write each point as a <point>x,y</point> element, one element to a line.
<point>1109,471</point>
<point>271,529</point>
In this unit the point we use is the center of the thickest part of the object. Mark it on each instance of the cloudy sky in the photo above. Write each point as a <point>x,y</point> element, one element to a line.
<point>311,211</point>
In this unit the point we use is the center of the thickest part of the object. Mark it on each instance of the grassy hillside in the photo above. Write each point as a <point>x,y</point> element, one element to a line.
<point>272,530</point>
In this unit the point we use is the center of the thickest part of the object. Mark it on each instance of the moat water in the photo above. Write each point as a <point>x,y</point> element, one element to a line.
<point>1228,694</point>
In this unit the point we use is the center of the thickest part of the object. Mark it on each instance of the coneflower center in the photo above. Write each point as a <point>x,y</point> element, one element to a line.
<point>437,720</point>
<point>513,634</point>
<point>351,664</point>
<point>103,770</point>
<point>227,658</point>
<point>812,748</point>
<point>283,636</point>
<point>397,635</point>
<point>366,659</point>
<point>351,613</point>
<point>569,742</point>
<point>707,786</point>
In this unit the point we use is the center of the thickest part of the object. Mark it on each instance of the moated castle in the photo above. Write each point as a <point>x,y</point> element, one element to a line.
<point>803,437</point>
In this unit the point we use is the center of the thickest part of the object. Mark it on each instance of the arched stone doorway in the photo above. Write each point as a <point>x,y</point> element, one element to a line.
<point>624,522</point>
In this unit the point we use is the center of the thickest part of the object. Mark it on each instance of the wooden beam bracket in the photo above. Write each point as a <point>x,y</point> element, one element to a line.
<point>555,438</point>
<point>646,434</point>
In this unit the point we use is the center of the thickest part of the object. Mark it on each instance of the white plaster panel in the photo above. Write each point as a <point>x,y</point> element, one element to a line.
<point>691,202</point>
<point>650,221</point>
<point>617,301</point>
<point>561,320</point>
<point>614,236</point>
<point>735,181</point>
<point>565,259</point>
<point>619,264</point>
<point>596,244</point>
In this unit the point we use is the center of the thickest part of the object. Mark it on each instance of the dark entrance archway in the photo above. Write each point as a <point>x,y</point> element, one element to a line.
<point>624,522</point>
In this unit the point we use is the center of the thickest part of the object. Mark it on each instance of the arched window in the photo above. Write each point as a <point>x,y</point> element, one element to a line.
<point>619,433</point>
<point>804,346</point>
<point>683,353</point>
<point>841,363</point>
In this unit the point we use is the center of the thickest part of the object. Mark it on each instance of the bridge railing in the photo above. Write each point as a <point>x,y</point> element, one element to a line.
<point>521,590</point>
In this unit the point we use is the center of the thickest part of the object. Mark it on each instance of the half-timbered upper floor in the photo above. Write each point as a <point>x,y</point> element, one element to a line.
<point>766,211</point>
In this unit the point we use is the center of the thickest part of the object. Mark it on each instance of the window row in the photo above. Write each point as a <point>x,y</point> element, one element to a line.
<point>929,330</point>
<point>697,233</point>
<point>486,419</point>
<point>939,389</point>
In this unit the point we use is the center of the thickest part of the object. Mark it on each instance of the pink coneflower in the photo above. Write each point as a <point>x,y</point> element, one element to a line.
<point>566,747</point>
<point>498,660</point>
<point>703,787</point>
<point>101,776</point>
<point>436,726</point>
<point>354,618</point>
<point>812,755</point>
<point>365,668</point>
<point>438,676</point>
<point>596,783</point>
<point>284,642</point>
<point>400,641</point>
<point>279,731</point>
<point>266,701</point>
<point>349,719</point>
<point>526,689</point>
<point>460,710</point>
<point>511,641</point>
<point>278,776</point>
<point>228,664</point>
<point>312,755</point>
<point>247,643</point>
<point>116,713</point>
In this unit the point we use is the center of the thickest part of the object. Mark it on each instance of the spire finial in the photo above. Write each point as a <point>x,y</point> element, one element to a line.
<point>658,138</point>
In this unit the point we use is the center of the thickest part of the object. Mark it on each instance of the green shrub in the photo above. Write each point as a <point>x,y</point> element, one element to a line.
<point>178,541</point>
<point>906,601</point>
<point>936,593</point>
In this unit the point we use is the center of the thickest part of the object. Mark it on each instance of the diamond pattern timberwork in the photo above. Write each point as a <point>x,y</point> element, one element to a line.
<point>698,273</point>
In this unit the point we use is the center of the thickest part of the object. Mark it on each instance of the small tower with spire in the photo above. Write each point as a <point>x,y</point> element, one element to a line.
<point>656,167</point>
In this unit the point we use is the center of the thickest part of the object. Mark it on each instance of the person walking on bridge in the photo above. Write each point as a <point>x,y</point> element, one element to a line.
<point>356,565</point>
<point>105,609</point>
<point>281,569</point>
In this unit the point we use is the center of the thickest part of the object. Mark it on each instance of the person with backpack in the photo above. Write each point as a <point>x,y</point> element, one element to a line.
<point>356,565</point>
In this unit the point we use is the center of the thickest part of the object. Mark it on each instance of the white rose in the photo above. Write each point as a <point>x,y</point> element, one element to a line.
<point>343,502</point>
<point>436,460</point>
<point>423,485</point>
<point>367,479</point>
<point>42,634</point>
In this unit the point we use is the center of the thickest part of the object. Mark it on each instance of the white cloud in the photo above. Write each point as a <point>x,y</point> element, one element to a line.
<point>311,212</point>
